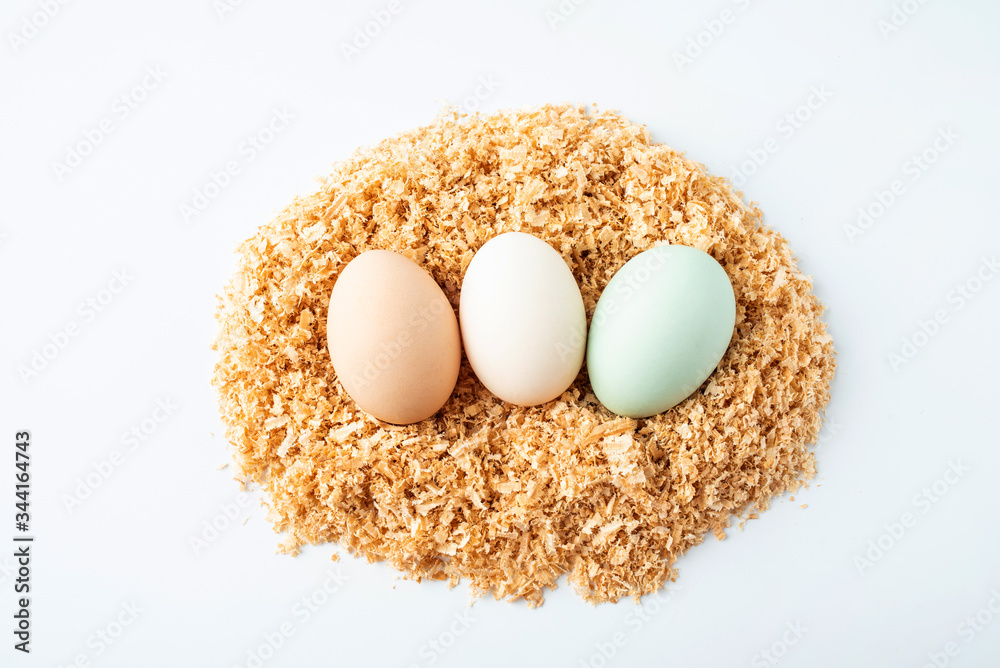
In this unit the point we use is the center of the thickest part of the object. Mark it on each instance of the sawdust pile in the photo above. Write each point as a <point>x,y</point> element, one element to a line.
<point>510,498</point>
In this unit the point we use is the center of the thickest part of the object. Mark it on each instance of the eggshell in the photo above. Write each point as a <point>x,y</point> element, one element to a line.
<point>660,328</point>
<point>393,338</point>
<point>524,327</point>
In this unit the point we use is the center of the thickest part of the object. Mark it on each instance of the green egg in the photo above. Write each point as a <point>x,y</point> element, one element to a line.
<point>660,328</point>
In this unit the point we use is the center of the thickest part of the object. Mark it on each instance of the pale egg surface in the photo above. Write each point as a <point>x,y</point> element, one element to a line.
<point>393,338</point>
<point>523,323</point>
<point>660,328</point>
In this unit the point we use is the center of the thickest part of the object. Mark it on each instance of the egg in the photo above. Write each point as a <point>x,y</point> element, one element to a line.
<point>393,338</point>
<point>661,326</point>
<point>524,327</point>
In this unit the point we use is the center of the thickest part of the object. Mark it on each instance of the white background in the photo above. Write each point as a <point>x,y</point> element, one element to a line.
<point>893,429</point>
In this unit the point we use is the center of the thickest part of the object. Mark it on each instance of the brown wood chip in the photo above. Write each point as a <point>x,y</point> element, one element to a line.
<point>510,498</point>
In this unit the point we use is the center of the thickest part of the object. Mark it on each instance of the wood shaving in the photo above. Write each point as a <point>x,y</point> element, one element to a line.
<point>504,497</point>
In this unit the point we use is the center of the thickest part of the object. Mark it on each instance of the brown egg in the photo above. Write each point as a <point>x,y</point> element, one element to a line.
<point>393,338</point>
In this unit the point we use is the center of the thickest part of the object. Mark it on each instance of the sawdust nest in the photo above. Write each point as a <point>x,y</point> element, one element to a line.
<point>510,498</point>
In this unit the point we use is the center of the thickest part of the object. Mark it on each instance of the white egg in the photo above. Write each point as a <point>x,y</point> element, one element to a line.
<point>523,324</point>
